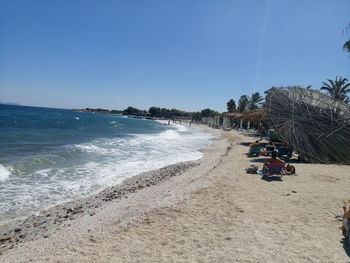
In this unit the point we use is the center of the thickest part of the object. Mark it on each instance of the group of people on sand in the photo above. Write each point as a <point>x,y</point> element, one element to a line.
<point>175,121</point>
<point>275,165</point>
<point>179,122</point>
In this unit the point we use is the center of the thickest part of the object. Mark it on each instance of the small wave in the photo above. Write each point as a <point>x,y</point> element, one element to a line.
<point>89,147</point>
<point>4,173</point>
<point>181,128</point>
<point>82,169</point>
<point>112,122</point>
<point>169,135</point>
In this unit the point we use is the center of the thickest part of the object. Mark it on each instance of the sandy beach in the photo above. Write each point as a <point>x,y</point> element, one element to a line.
<point>209,210</point>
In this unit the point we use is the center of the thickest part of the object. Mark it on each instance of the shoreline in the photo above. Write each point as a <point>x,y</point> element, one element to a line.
<point>85,204</point>
<point>211,212</point>
<point>46,175</point>
<point>47,221</point>
<point>35,228</point>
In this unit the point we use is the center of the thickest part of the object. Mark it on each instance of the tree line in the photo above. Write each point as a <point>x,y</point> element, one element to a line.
<point>156,112</point>
<point>152,112</point>
<point>337,89</point>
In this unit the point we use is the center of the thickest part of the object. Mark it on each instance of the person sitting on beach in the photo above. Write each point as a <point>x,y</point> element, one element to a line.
<point>270,147</point>
<point>262,131</point>
<point>278,164</point>
<point>274,161</point>
<point>256,143</point>
<point>254,149</point>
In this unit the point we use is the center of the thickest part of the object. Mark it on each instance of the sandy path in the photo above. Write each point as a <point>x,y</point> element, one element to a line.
<point>232,217</point>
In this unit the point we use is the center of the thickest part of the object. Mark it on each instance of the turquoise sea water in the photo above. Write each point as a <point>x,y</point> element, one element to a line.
<point>48,156</point>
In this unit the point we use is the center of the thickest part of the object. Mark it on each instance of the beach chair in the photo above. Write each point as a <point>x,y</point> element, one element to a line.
<point>255,150</point>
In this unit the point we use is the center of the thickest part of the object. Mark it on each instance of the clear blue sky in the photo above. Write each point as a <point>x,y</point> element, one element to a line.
<point>185,54</point>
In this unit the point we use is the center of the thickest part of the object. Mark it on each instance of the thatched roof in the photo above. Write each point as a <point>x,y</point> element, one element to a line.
<point>316,125</point>
<point>252,115</point>
<point>234,116</point>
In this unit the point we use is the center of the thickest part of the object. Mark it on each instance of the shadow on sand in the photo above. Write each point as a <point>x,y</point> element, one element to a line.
<point>271,178</point>
<point>257,160</point>
<point>245,143</point>
<point>262,144</point>
<point>253,135</point>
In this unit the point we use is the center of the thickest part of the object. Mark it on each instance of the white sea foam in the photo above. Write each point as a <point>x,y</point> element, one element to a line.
<point>111,161</point>
<point>4,173</point>
<point>89,147</point>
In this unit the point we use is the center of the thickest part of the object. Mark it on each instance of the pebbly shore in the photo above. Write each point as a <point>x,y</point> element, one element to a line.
<point>53,219</point>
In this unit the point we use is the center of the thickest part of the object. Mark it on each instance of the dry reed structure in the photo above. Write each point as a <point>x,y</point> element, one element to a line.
<point>316,125</point>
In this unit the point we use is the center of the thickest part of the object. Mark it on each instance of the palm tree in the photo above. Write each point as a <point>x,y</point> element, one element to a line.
<point>243,103</point>
<point>231,105</point>
<point>254,101</point>
<point>337,89</point>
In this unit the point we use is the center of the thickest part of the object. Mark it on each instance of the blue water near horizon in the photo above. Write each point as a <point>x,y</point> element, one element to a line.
<point>49,156</point>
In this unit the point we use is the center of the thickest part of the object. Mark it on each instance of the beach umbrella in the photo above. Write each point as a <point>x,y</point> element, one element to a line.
<point>315,124</point>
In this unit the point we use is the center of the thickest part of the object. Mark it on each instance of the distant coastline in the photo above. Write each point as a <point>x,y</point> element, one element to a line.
<point>98,110</point>
<point>10,103</point>
<point>153,113</point>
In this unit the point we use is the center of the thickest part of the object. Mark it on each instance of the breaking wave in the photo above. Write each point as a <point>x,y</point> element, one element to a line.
<point>81,169</point>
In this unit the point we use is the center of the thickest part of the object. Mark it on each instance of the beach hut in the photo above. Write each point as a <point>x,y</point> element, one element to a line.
<point>247,119</point>
<point>253,118</point>
<point>226,122</point>
<point>316,125</point>
<point>213,121</point>
<point>232,120</point>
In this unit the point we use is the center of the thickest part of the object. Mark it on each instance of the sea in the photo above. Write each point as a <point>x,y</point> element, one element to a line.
<point>51,156</point>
